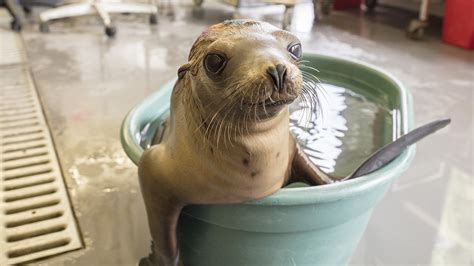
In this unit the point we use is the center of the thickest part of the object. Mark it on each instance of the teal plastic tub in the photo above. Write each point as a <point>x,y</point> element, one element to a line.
<point>319,225</point>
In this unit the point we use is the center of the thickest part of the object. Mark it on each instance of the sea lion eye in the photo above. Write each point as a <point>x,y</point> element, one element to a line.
<point>295,50</point>
<point>214,63</point>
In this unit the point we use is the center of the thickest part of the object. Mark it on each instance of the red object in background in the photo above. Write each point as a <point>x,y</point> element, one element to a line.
<point>345,4</point>
<point>458,23</point>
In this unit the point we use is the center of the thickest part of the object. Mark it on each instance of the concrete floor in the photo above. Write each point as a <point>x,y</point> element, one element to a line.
<point>88,83</point>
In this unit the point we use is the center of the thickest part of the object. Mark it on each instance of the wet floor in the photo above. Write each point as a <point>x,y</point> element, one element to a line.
<point>87,84</point>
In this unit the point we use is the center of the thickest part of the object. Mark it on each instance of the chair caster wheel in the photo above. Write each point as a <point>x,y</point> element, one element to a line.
<point>370,4</point>
<point>110,31</point>
<point>153,19</point>
<point>326,7</point>
<point>16,26</point>
<point>198,3</point>
<point>416,29</point>
<point>27,9</point>
<point>44,27</point>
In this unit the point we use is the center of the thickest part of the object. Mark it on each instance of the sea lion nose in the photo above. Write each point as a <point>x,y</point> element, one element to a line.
<point>278,75</point>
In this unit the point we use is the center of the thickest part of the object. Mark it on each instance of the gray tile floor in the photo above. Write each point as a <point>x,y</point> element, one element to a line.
<point>87,83</point>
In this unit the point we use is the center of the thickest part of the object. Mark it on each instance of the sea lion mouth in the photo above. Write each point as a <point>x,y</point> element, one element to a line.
<point>271,103</point>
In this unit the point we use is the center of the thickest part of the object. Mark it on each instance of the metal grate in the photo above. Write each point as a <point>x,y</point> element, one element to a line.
<point>11,51</point>
<point>36,219</point>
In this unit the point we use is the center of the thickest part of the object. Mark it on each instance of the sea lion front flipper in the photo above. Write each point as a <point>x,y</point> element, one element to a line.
<point>163,218</point>
<point>163,210</point>
<point>302,169</point>
<point>388,152</point>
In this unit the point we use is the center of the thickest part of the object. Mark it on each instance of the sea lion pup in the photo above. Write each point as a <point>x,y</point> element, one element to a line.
<point>228,138</point>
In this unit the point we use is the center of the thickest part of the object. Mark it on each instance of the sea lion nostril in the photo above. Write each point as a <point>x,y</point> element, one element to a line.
<point>278,75</point>
<point>281,69</point>
<point>272,71</point>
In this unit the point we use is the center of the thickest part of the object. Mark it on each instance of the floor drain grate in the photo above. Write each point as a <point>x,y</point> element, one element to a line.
<point>36,219</point>
<point>10,48</point>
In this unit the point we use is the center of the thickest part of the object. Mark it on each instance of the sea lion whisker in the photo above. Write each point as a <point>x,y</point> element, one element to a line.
<point>318,90</point>
<point>236,128</point>
<point>244,123</point>
<point>265,109</point>
<point>212,119</point>
<point>228,124</point>
<point>233,126</point>
<point>309,74</point>
<point>255,117</point>
<point>312,97</point>
<point>247,120</point>
<point>305,115</point>
<point>256,94</point>
<point>310,84</point>
<point>309,89</point>
<point>310,78</point>
<point>192,116</point>
<point>225,100</point>
<point>230,129</point>
<point>309,67</point>
<point>260,92</point>
<point>212,124</point>
<point>235,90</point>
<point>316,103</point>
<point>315,86</point>
<point>216,131</point>
<point>221,131</point>
<point>311,110</point>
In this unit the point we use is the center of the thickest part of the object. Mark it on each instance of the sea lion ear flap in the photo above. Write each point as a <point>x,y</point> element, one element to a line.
<point>183,69</point>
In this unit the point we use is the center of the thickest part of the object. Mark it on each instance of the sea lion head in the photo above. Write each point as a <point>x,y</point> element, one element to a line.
<point>243,69</point>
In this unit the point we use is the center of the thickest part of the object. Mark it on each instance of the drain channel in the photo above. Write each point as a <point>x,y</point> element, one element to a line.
<point>36,219</point>
<point>11,51</point>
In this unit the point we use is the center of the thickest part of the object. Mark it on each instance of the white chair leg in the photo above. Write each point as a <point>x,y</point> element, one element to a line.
<point>101,8</point>
<point>110,30</point>
<point>103,13</point>
<point>72,10</point>
<point>128,8</point>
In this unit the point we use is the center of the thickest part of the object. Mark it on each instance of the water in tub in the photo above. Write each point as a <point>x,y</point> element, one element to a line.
<point>344,131</point>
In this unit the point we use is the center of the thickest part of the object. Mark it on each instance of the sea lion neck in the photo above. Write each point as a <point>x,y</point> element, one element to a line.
<point>269,124</point>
